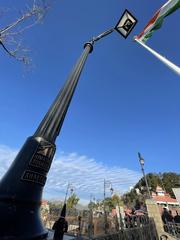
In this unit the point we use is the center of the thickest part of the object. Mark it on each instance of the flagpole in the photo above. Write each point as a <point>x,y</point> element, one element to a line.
<point>168,63</point>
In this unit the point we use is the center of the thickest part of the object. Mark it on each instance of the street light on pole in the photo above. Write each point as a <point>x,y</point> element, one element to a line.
<point>91,224</point>
<point>104,205</point>
<point>69,187</point>
<point>118,205</point>
<point>22,186</point>
<point>141,161</point>
<point>106,184</point>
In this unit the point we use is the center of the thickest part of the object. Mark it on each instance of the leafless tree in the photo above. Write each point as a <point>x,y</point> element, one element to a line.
<point>11,35</point>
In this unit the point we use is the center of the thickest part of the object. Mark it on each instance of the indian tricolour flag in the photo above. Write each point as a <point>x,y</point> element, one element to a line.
<point>157,20</point>
<point>154,24</point>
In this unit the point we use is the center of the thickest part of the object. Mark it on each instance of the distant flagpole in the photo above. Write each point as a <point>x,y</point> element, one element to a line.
<point>168,63</point>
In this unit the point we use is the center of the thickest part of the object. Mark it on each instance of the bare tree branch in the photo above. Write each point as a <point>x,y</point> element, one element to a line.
<point>10,39</point>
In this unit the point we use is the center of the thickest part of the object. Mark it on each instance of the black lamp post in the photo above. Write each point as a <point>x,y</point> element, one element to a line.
<point>107,184</point>
<point>141,161</point>
<point>91,225</point>
<point>21,187</point>
<point>69,187</point>
<point>118,204</point>
<point>104,206</point>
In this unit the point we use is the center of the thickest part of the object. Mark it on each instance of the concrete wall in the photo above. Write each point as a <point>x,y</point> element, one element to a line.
<point>153,212</point>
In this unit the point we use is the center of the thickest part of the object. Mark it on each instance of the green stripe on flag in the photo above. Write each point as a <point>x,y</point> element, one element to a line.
<point>158,23</point>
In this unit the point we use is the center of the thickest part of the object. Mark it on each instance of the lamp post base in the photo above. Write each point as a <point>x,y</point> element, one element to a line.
<point>21,192</point>
<point>22,223</point>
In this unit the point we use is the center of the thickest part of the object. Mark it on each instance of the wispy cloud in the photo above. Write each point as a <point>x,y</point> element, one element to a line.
<point>6,157</point>
<point>84,173</point>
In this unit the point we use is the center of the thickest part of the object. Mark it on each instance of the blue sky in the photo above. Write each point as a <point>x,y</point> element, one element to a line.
<point>126,100</point>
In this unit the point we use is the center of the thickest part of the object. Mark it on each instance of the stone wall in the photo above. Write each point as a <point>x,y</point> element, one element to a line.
<point>153,212</point>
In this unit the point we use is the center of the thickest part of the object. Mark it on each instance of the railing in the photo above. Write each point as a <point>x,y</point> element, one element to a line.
<point>138,231</point>
<point>146,231</point>
<point>136,228</point>
<point>173,229</point>
<point>136,221</point>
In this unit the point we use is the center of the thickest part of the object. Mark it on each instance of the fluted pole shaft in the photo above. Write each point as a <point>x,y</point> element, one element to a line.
<point>21,187</point>
<point>51,125</point>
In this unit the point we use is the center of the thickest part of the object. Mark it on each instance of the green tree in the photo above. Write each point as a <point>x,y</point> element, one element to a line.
<point>55,208</point>
<point>109,203</point>
<point>72,201</point>
<point>153,181</point>
<point>130,198</point>
<point>116,199</point>
<point>92,205</point>
<point>113,201</point>
<point>167,181</point>
<point>170,180</point>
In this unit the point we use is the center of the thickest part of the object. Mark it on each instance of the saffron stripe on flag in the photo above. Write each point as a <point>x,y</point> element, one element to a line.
<point>157,20</point>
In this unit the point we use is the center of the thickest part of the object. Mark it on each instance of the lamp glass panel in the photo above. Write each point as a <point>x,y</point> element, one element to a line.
<point>126,23</point>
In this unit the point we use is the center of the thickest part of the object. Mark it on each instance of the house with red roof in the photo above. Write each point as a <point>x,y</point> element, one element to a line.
<point>163,199</point>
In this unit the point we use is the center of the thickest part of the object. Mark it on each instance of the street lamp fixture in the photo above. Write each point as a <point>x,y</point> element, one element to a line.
<point>126,24</point>
<point>69,188</point>
<point>111,190</point>
<point>71,191</point>
<point>141,160</point>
